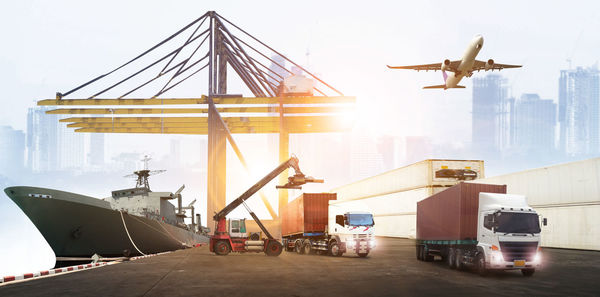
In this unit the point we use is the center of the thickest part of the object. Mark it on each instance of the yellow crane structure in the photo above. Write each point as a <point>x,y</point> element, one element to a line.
<point>271,110</point>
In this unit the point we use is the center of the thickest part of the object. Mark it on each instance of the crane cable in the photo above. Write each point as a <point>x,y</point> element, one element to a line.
<point>127,231</point>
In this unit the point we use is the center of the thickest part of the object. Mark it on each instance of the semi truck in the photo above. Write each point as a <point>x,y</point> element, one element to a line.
<point>480,226</point>
<point>314,224</point>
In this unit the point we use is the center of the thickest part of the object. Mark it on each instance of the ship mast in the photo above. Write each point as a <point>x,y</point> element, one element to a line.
<point>142,175</point>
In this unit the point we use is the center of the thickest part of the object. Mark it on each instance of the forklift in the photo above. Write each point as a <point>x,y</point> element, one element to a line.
<point>225,241</point>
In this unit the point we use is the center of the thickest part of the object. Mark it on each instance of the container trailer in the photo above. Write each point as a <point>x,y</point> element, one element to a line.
<point>313,224</point>
<point>479,225</point>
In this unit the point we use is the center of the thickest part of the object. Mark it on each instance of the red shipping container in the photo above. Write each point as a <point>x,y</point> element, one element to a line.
<point>306,214</point>
<point>452,213</point>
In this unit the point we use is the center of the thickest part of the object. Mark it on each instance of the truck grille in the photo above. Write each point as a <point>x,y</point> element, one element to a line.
<point>515,250</point>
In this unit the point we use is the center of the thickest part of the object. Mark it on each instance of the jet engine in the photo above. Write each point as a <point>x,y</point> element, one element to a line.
<point>489,64</point>
<point>446,65</point>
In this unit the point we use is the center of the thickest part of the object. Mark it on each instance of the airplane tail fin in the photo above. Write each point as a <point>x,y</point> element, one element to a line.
<point>443,87</point>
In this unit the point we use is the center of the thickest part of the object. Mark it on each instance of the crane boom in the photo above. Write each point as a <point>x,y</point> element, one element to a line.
<point>291,162</point>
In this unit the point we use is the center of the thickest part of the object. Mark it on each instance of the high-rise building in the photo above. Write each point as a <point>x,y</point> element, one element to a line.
<point>418,148</point>
<point>365,160</point>
<point>277,69</point>
<point>491,114</point>
<point>12,151</point>
<point>534,122</point>
<point>50,144</point>
<point>96,154</point>
<point>71,150</point>
<point>579,111</point>
<point>42,140</point>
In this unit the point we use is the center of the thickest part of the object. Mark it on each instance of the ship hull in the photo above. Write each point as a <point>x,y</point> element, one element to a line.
<point>82,229</point>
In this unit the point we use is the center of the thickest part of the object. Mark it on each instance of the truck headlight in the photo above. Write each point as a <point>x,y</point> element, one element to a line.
<point>537,258</point>
<point>497,257</point>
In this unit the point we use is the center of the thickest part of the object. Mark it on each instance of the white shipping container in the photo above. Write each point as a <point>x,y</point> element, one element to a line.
<point>414,176</point>
<point>568,195</point>
<point>395,213</point>
<point>574,227</point>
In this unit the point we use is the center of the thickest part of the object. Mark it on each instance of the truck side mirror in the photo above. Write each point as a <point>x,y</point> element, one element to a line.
<point>488,221</point>
<point>339,219</point>
<point>545,221</point>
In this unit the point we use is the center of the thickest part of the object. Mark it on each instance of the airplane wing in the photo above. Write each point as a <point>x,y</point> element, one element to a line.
<point>433,67</point>
<point>480,65</point>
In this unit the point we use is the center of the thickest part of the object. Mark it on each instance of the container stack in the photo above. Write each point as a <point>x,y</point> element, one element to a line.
<point>568,195</point>
<point>392,196</point>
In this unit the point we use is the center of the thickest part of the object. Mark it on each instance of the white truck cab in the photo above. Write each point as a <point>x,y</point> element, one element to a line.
<point>352,230</point>
<point>508,234</point>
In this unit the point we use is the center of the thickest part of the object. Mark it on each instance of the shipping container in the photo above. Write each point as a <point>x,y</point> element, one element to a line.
<point>452,214</point>
<point>306,214</point>
<point>567,195</point>
<point>434,172</point>
<point>395,213</point>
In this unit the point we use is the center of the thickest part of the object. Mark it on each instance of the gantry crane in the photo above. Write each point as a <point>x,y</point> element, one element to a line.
<point>221,243</point>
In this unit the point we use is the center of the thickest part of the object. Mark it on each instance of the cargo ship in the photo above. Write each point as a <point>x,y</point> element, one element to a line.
<point>131,222</point>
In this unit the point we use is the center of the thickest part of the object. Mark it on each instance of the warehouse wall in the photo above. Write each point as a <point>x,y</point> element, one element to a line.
<point>568,195</point>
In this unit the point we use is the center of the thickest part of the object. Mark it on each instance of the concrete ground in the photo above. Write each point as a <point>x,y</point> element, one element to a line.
<point>390,270</point>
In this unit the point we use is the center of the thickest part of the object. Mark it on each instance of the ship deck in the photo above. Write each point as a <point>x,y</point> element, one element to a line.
<point>390,270</point>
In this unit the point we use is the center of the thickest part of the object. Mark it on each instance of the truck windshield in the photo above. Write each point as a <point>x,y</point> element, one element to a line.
<point>360,219</point>
<point>511,222</point>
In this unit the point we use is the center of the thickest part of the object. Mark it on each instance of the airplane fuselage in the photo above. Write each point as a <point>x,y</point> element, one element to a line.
<point>466,65</point>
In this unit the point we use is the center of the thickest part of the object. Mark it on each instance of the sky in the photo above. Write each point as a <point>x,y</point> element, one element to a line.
<point>51,46</point>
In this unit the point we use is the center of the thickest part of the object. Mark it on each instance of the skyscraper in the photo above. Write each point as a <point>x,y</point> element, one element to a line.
<point>12,151</point>
<point>50,144</point>
<point>534,123</point>
<point>42,140</point>
<point>96,154</point>
<point>578,111</point>
<point>491,113</point>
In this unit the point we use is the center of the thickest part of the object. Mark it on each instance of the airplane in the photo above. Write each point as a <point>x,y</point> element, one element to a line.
<point>460,68</point>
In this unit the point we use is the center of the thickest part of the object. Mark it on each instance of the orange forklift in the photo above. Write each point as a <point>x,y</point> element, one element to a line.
<point>222,243</point>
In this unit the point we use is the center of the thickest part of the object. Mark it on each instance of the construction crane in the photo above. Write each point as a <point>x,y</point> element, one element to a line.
<point>222,242</point>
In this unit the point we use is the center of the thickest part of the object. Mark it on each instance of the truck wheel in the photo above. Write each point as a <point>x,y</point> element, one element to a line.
<point>458,264</point>
<point>363,255</point>
<point>418,248</point>
<point>298,247</point>
<point>307,248</point>
<point>334,249</point>
<point>450,258</point>
<point>222,248</point>
<point>528,272</point>
<point>274,248</point>
<point>481,269</point>
<point>426,256</point>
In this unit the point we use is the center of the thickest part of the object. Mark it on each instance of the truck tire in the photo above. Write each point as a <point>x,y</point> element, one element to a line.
<point>274,248</point>
<point>421,257</point>
<point>481,268</point>
<point>450,258</point>
<point>298,247</point>
<point>334,249</point>
<point>528,272</point>
<point>222,248</point>
<point>458,264</point>
<point>307,247</point>
<point>418,248</point>
<point>363,255</point>
<point>426,256</point>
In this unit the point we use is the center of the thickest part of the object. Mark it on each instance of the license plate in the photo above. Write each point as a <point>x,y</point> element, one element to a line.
<point>519,262</point>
